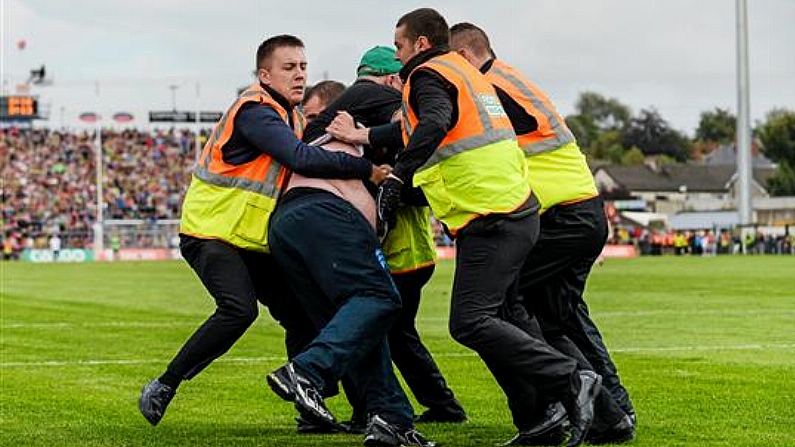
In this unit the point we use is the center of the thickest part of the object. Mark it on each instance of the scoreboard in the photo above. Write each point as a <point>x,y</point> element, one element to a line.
<point>18,108</point>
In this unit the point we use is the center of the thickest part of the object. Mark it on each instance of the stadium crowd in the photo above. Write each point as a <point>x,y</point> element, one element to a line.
<point>49,180</point>
<point>49,187</point>
<point>702,242</point>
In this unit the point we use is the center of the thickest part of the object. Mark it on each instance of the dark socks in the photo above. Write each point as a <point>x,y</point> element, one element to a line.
<point>170,379</point>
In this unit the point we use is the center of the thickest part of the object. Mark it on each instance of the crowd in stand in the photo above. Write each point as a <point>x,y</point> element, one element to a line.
<point>702,242</point>
<point>49,187</point>
<point>49,180</point>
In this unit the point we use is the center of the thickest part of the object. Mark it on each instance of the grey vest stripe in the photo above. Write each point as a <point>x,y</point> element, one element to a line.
<point>268,188</point>
<point>489,135</point>
<point>543,146</point>
<point>451,150</point>
<point>563,134</point>
<point>404,109</point>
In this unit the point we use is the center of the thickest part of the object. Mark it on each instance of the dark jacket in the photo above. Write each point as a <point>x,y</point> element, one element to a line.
<point>435,102</point>
<point>259,129</point>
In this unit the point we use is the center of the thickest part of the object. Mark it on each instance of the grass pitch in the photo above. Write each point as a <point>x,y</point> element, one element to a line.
<point>706,347</point>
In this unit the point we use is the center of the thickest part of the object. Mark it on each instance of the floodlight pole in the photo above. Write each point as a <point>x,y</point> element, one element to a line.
<point>744,203</point>
<point>197,142</point>
<point>3,55</point>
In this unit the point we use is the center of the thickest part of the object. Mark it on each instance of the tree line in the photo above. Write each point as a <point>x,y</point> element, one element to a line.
<point>607,130</point>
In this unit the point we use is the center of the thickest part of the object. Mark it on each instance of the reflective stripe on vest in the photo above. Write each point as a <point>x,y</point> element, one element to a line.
<point>489,134</point>
<point>478,168</point>
<point>233,203</point>
<point>552,131</point>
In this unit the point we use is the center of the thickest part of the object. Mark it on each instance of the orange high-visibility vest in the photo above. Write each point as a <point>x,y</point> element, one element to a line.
<point>478,168</point>
<point>559,172</point>
<point>552,131</point>
<point>233,203</point>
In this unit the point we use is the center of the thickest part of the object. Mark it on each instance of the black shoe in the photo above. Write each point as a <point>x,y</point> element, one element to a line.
<point>381,433</point>
<point>291,386</point>
<point>623,431</point>
<point>357,424</point>
<point>442,415</point>
<point>580,406</point>
<point>633,418</point>
<point>309,427</point>
<point>551,430</point>
<point>154,399</point>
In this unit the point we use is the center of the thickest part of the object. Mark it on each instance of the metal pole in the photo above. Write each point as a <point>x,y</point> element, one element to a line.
<point>99,226</point>
<point>744,205</point>
<point>198,142</point>
<point>3,53</point>
<point>173,96</point>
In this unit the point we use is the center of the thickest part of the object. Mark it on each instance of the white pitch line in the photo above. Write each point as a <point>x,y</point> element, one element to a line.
<point>751,347</point>
<point>615,314</point>
<point>237,360</point>
<point>120,324</point>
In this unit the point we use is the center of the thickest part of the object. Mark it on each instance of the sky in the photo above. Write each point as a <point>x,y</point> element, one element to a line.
<point>677,56</point>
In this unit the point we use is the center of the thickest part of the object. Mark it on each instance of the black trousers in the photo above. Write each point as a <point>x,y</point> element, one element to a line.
<point>490,253</point>
<point>410,355</point>
<point>606,411</point>
<point>553,280</point>
<point>236,279</point>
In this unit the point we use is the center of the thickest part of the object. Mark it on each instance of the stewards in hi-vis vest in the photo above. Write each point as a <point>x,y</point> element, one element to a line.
<point>461,151</point>
<point>223,230</point>
<point>573,229</point>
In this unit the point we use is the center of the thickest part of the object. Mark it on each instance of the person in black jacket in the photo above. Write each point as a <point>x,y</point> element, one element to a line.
<point>372,101</point>
<point>238,277</point>
<point>494,216</point>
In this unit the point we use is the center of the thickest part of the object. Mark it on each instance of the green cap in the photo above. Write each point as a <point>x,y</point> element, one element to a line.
<point>379,61</point>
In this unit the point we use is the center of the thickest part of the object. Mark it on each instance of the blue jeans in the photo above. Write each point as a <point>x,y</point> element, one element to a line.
<point>331,257</point>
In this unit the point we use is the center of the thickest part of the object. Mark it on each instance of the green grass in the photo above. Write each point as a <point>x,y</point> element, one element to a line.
<point>706,347</point>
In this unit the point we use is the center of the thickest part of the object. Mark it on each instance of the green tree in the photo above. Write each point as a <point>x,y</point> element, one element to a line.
<point>605,113</point>
<point>596,115</point>
<point>717,125</point>
<point>782,183</point>
<point>777,136</point>
<point>633,157</point>
<point>583,129</point>
<point>653,136</point>
<point>607,146</point>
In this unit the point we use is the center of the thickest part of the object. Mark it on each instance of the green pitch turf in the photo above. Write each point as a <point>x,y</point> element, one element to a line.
<point>706,347</point>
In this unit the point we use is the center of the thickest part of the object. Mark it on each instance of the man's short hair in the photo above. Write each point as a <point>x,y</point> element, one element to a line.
<point>327,91</point>
<point>426,22</point>
<point>266,48</point>
<point>472,37</point>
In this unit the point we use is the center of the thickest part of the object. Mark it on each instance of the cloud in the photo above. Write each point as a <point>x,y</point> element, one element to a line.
<point>675,55</point>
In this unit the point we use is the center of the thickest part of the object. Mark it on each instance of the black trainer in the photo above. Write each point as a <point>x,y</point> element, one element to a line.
<point>623,431</point>
<point>451,414</point>
<point>580,407</point>
<point>381,433</point>
<point>552,429</point>
<point>357,424</point>
<point>309,426</point>
<point>154,399</point>
<point>291,386</point>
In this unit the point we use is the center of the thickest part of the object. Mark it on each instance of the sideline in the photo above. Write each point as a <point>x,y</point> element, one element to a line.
<point>245,360</point>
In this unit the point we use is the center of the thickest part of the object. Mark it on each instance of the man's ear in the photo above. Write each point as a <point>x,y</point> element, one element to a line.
<point>264,76</point>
